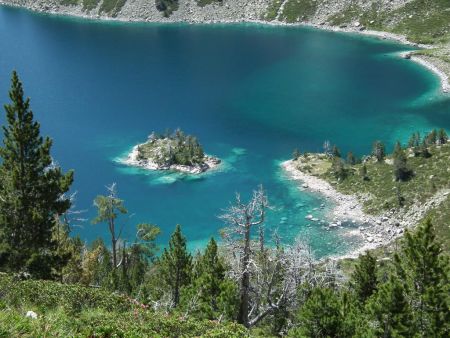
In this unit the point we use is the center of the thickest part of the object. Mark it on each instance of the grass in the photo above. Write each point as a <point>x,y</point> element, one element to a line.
<point>112,7</point>
<point>69,2</point>
<point>77,311</point>
<point>203,3</point>
<point>272,10</point>
<point>298,10</point>
<point>89,5</point>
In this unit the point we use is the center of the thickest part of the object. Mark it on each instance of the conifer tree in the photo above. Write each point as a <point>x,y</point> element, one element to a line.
<point>363,172</point>
<point>401,171</point>
<point>431,138</point>
<point>390,311</point>
<point>364,278</point>
<point>320,316</point>
<point>109,207</point>
<point>296,154</point>
<point>216,295</point>
<point>32,190</point>
<point>442,137</point>
<point>351,160</point>
<point>176,265</point>
<point>424,270</point>
<point>378,151</point>
<point>336,152</point>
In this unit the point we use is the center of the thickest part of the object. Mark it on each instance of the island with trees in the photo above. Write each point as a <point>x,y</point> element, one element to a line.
<point>172,151</point>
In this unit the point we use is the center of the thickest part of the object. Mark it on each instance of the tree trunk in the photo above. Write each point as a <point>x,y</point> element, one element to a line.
<point>245,282</point>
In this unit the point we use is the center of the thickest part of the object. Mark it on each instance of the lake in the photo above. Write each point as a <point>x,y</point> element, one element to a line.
<point>250,93</point>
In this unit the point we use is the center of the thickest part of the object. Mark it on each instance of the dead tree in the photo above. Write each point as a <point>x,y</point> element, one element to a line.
<point>241,218</point>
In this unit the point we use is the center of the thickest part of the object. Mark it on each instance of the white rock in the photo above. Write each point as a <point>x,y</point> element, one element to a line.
<point>31,314</point>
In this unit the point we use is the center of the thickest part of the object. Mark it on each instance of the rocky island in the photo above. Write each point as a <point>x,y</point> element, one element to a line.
<point>172,151</point>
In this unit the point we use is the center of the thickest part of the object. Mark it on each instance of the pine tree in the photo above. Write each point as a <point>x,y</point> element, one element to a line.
<point>336,152</point>
<point>108,209</point>
<point>32,190</point>
<point>442,137</point>
<point>378,151</point>
<point>351,160</point>
<point>363,172</point>
<point>431,138</point>
<point>211,288</point>
<point>401,171</point>
<point>320,316</point>
<point>340,172</point>
<point>296,154</point>
<point>390,311</point>
<point>364,278</point>
<point>424,270</point>
<point>176,265</point>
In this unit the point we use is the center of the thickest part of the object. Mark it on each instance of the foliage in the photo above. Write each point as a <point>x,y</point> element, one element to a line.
<point>112,7</point>
<point>90,4</point>
<point>364,278</point>
<point>32,191</point>
<point>175,265</point>
<point>203,3</point>
<point>378,151</point>
<point>71,310</point>
<point>167,6</point>
<point>172,148</point>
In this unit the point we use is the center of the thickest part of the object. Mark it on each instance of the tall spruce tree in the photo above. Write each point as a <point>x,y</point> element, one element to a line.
<point>176,265</point>
<point>32,191</point>
<point>364,278</point>
<point>401,170</point>
<point>424,269</point>
<point>390,312</point>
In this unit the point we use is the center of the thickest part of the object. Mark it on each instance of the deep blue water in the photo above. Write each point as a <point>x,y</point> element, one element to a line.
<point>250,93</point>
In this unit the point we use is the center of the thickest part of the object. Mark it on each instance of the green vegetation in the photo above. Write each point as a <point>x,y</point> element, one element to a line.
<point>65,310</point>
<point>203,3</point>
<point>32,191</point>
<point>410,176</point>
<point>272,10</point>
<point>89,5</point>
<point>112,7</point>
<point>172,148</point>
<point>296,11</point>
<point>69,2</point>
<point>167,6</point>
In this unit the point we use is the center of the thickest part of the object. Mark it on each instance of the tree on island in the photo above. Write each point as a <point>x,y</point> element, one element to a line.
<point>32,191</point>
<point>296,154</point>
<point>175,148</point>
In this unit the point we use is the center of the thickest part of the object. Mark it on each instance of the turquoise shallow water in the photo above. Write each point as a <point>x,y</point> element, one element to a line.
<point>250,93</point>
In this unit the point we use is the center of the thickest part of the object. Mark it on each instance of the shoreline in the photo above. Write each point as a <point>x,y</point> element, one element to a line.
<point>375,230</point>
<point>435,69</point>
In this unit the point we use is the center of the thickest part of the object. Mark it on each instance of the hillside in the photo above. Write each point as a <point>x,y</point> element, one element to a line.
<point>76,311</point>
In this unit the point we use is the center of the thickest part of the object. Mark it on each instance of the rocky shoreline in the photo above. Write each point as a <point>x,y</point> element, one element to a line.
<point>132,159</point>
<point>375,230</point>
